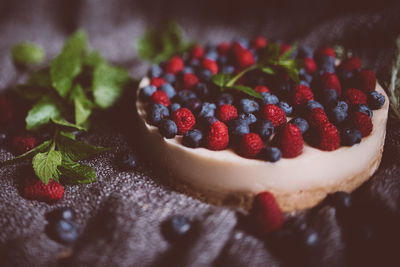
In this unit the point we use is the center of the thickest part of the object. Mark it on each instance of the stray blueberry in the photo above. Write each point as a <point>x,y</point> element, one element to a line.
<point>264,128</point>
<point>60,214</point>
<point>363,108</point>
<point>180,225</point>
<point>168,89</point>
<point>248,105</point>
<point>192,138</point>
<point>301,123</point>
<point>65,231</point>
<point>157,113</point>
<point>311,238</point>
<point>350,137</point>
<point>375,100</point>
<point>147,91</point>
<point>127,161</point>
<point>340,200</point>
<point>168,128</point>
<point>288,109</point>
<point>225,99</point>
<point>250,118</point>
<point>269,98</point>
<point>272,154</point>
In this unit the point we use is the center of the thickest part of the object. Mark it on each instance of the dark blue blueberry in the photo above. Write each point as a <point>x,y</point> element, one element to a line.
<point>127,161</point>
<point>157,113</point>
<point>204,75</point>
<point>340,200</point>
<point>301,123</point>
<point>329,96</point>
<point>207,110</point>
<point>350,137</point>
<point>201,90</point>
<point>184,96</point>
<point>212,54</point>
<point>288,109</point>
<point>192,138</point>
<point>305,51</point>
<point>147,91</point>
<point>168,128</point>
<point>326,62</point>
<point>187,69</point>
<point>311,238</point>
<point>248,106</point>
<point>65,231</point>
<point>250,118</point>
<point>228,69</point>
<point>168,89</point>
<point>243,42</point>
<point>180,225</point>
<point>362,108</point>
<point>272,154</point>
<point>155,71</point>
<point>192,104</point>
<point>338,115</point>
<point>174,107</point>
<point>66,214</point>
<point>375,100</point>
<point>238,128</point>
<point>208,121</point>
<point>342,105</point>
<point>264,128</point>
<point>305,77</point>
<point>305,83</point>
<point>313,104</point>
<point>269,98</point>
<point>346,75</point>
<point>194,63</point>
<point>225,99</point>
<point>222,60</point>
<point>169,78</point>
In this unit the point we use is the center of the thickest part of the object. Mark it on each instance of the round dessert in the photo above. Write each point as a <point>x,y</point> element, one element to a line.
<point>330,137</point>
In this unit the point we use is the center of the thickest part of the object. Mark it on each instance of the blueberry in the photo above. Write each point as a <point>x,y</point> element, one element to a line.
<point>350,137</point>
<point>169,78</point>
<point>168,128</point>
<point>178,229</point>
<point>212,54</point>
<point>192,104</point>
<point>243,42</point>
<point>155,71</point>
<point>250,118</point>
<point>194,63</point>
<point>184,96</point>
<point>238,128</point>
<point>346,75</point>
<point>127,160</point>
<point>207,110</point>
<point>61,214</point>
<point>375,100</point>
<point>228,69</point>
<point>147,91</point>
<point>192,138</point>
<point>342,105</point>
<point>305,77</point>
<point>305,51</point>
<point>222,60</point>
<point>269,98</point>
<point>168,89</point>
<point>264,128</point>
<point>329,96</point>
<point>301,123</point>
<point>362,108</point>
<point>338,115</point>
<point>311,238</point>
<point>201,90</point>
<point>204,75</point>
<point>288,109</point>
<point>313,104</point>
<point>225,99</point>
<point>174,107</point>
<point>326,61</point>
<point>305,83</point>
<point>187,69</point>
<point>65,231</point>
<point>340,200</point>
<point>272,154</point>
<point>326,68</point>
<point>157,113</point>
<point>248,105</point>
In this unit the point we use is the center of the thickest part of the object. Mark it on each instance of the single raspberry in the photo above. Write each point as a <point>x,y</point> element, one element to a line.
<point>227,113</point>
<point>35,189</point>
<point>331,81</point>
<point>197,52</point>
<point>328,137</point>
<point>250,145</point>
<point>274,114</point>
<point>261,89</point>
<point>184,120</point>
<point>244,59</point>
<point>189,80</point>
<point>290,141</point>
<point>174,65</point>
<point>237,48</point>
<point>157,81</point>
<point>267,214</point>
<point>310,65</point>
<point>283,48</point>
<point>366,81</point>
<point>6,110</point>
<point>351,64</point>
<point>223,48</point>
<point>217,136</point>
<point>160,97</point>
<point>22,144</point>
<point>355,96</point>
<point>301,95</point>
<point>259,42</point>
<point>210,65</point>
<point>325,51</point>
<point>317,118</point>
<point>362,122</point>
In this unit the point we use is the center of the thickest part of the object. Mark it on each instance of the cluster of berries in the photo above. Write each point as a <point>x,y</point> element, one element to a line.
<point>330,107</point>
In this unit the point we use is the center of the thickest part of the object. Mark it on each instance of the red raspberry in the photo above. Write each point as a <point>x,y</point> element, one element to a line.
<point>223,48</point>
<point>189,80</point>
<point>210,65</point>
<point>301,95</point>
<point>267,213</point>
<point>184,120</point>
<point>331,81</point>
<point>351,64</point>
<point>35,189</point>
<point>328,137</point>
<point>325,51</point>
<point>160,97</point>
<point>22,144</point>
<point>261,89</point>
<point>274,114</point>
<point>244,59</point>
<point>227,113</point>
<point>355,96</point>
<point>290,141</point>
<point>6,110</point>
<point>197,52</point>
<point>237,48</point>
<point>283,48</point>
<point>174,65</point>
<point>157,81</point>
<point>218,137</point>
<point>317,118</point>
<point>259,42</point>
<point>310,65</point>
<point>362,122</point>
<point>366,81</point>
<point>250,145</point>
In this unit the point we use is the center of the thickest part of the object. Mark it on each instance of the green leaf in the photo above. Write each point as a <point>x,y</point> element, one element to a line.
<point>67,125</point>
<point>248,90</point>
<point>76,43</point>
<point>74,172</point>
<point>75,150</point>
<point>28,155</point>
<point>286,55</point>
<point>45,165</point>
<point>68,135</point>
<point>268,70</point>
<point>42,112</point>
<point>93,58</point>
<point>293,74</point>
<point>221,79</point>
<point>40,78</point>
<point>83,106</point>
<point>108,83</point>
<point>272,54</point>
<point>25,53</point>
<point>29,92</point>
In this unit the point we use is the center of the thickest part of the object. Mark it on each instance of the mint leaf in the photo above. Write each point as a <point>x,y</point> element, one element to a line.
<point>93,58</point>
<point>29,92</point>
<point>74,172</point>
<point>221,79</point>
<point>42,112</point>
<point>268,70</point>
<point>40,78</point>
<point>67,125</point>
<point>286,55</point>
<point>45,165</point>
<point>248,90</point>
<point>108,83</point>
<point>26,54</point>
<point>83,106</point>
<point>28,155</point>
<point>68,135</point>
<point>75,150</point>
<point>76,43</point>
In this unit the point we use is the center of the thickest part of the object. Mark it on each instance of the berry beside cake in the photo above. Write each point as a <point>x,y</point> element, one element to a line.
<point>233,120</point>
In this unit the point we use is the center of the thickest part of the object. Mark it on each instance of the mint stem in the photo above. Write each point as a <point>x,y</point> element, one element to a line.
<point>240,74</point>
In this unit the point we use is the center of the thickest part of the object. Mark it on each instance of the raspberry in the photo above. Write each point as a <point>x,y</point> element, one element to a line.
<point>355,96</point>
<point>174,65</point>
<point>160,97</point>
<point>350,64</point>
<point>325,51</point>
<point>366,81</point>
<point>6,110</point>
<point>267,213</point>
<point>36,190</point>
<point>331,81</point>
<point>217,137</point>
<point>189,80</point>
<point>328,137</point>
<point>223,48</point>
<point>250,145</point>
<point>210,65</point>
<point>301,95</point>
<point>362,122</point>
<point>290,141</point>
<point>244,59</point>
<point>197,52</point>
<point>317,118</point>
<point>310,65</point>
<point>157,81</point>
<point>274,114</point>
<point>227,113</point>
<point>283,48</point>
<point>22,144</point>
<point>237,48</point>
<point>261,89</point>
<point>184,120</point>
<point>259,42</point>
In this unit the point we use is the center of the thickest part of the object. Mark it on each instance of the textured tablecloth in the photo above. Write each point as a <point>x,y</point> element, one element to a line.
<point>120,215</point>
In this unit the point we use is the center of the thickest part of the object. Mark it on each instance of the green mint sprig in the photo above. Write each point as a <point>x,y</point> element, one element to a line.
<point>27,54</point>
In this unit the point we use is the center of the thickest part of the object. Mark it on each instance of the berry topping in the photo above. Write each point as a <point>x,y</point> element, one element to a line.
<point>301,95</point>
<point>355,96</point>
<point>259,42</point>
<point>317,117</point>
<point>244,59</point>
<point>197,52</point>
<point>174,65</point>
<point>207,110</point>
<point>325,51</point>
<point>184,120</point>
<point>375,100</point>
<point>189,80</point>
<point>350,137</point>
<point>147,91</point>
<point>290,141</point>
<point>272,154</point>
<point>329,97</point>
<point>328,137</point>
<point>127,161</point>
<point>250,118</point>
<point>22,144</point>
<point>301,123</point>
<point>223,48</point>
<point>160,97</point>
<point>192,138</point>
<point>157,81</point>
<point>168,128</point>
<point>248,105</point>
<point>331,81</point>
<point>310,65</point>
<point>274,114</point>
<point>178,228</point>
<point>250,145</point>
<point>210,65</point>
<point>238,128</point>
<point>35,189</point>
<point>313,104</point>
<point>264,128</point>
<point>227,113</point>
<point>362,108</point>
<point>351,64</point>
<point>155,71</point>
<point>174,107</point>
<point>168,89</point>
<point>270,98</point>
<point>362,122</point>
<point>261,89</point>
<point>267,213</point>
<point>157,113</point>
<point>217,136</point>
<point>366,81</point>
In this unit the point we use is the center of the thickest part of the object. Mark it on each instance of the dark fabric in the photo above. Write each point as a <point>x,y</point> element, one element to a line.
<point>121,215</point>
